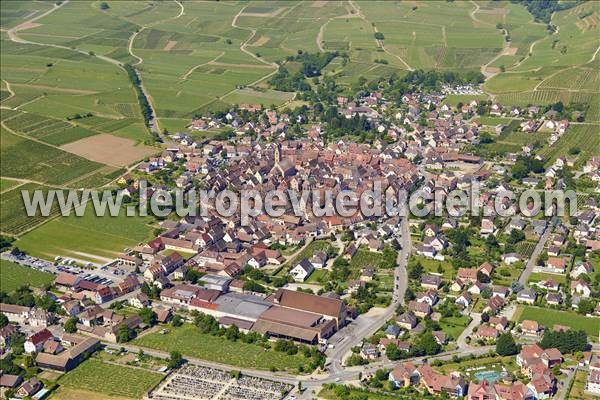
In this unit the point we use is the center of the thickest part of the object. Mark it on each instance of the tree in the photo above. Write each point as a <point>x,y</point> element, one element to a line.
<point>585,306</point>
<point>104,6</point>
<point>177,320</point>
<point>148,316</point>
<point>505,345</point>
<point>392,352</point>
<point>71,325</point>
<point>428,343</point>
<point>3,320</point>
<point>125,333</point>
<point>175,360</point>
<point>565,341</point>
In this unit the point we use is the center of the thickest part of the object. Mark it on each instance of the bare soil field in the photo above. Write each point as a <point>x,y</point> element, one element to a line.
<point>170,44</point>
<point>108,149</point>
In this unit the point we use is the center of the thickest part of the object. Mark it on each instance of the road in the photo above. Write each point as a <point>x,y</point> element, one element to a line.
<point>539,247</point>
<point>367,324</point>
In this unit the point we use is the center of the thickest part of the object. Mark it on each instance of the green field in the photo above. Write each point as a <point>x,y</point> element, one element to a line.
<point>13,276</point>
<point>549,318</point>
<point>88,238</point>
<point>13,217</point>
<point>110,379</point>
<point>191,342</point>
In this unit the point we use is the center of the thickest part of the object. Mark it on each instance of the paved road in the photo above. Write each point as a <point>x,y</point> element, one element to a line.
<point>533,259</point>
<point>367,324</point>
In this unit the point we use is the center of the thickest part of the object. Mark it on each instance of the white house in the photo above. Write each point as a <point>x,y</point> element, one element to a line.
<point>302,270</point>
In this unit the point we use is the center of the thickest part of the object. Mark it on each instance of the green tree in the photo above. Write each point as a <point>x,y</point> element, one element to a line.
<point>505,345</point>
<point>175,360</point>
<point>3,320</point>
<point>71,325</point>
<point>148,316</point>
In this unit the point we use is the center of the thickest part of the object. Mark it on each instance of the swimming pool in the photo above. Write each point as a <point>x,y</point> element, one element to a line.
<point>490,376</point>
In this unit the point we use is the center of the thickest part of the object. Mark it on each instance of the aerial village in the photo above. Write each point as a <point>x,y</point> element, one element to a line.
<point>476,306</point>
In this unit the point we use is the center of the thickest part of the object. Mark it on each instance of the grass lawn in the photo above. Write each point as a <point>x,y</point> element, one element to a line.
<point>318,276</point>
<point>13,276</point>
<point>364,257</point>
<point>453,326</point>
<point>549,318</point>
<point>110,379</point>
<point>6,184</point>
<point>191,342</point>
<point>578,389</point>
<point>330,395</point>
<point>540,276</point>
<point>69,393</point>
<point>433,266</point>
<point>505,275</point>
<point>493,363</point>
<point>310,250</point>
<point>88,238</point>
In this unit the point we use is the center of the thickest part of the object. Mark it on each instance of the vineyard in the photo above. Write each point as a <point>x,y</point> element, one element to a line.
<point>49,130</point>
<point>582,137</point>
<point>26,159</point>
<point>13,218</point>
<point>546,96</point>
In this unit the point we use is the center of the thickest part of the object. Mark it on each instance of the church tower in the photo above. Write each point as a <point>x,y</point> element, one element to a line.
<point>277,154</point>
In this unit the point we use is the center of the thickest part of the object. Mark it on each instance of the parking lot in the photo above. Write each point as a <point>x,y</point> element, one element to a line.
<point>104,275</point>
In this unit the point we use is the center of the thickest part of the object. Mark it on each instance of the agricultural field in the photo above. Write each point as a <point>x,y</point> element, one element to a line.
<point>583,137</point>
<point>15,276</point>
<point>191,342</point>
<point>110,379</point>
<point>13,216</point>
<point>549,318</point>
<point>87,238</point>
<point>23,158</point>
<point>550,67</point>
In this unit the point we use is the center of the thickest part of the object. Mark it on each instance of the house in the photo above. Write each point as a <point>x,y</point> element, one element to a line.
<point>430,297</point>
<point>529,327</point>
<point>9,381</point>
<point>6,333</point>
<point>302,270</point>
<point>516,391</point>
<point>392,331</point>
<point>457,285</point>
<point>494,304</point>
<point>581,268</point>
<point>407,320</point>
<point>481,391</point>
<point>476,288</point>
<point>556,265</point>
<point>35,342</point>
<point>581,287</point>
<point>486,333</point>
<point>404,375</point>
<point>140,300</point>
<point>500,323</point>
<point>367,273</point>
<point>464,299</point>
<point>511,258</point>
<point>369,351</point>
<point>426,251</point>
<point>527,296</point>
<point>467,274</point>
<point>435,383</point>
<point>319,260</point>
<point>29,388</point>
<point>554,299</point>
<point>486,268</point>
<point>593,380</point>
<point>421,310</point>
<point>501,291</point>
<point>431,281</point>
